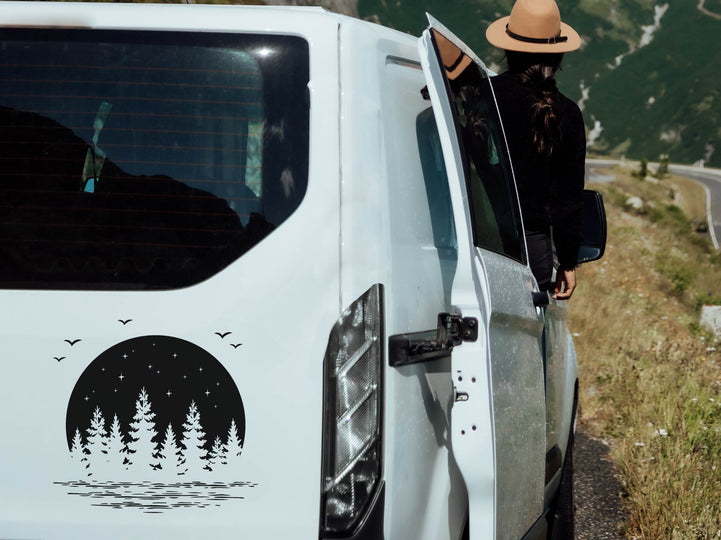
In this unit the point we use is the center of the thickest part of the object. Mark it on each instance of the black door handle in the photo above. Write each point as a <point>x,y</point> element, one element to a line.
<point>540,299</point>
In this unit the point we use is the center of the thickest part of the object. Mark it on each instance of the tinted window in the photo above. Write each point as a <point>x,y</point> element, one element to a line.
<point>492,195</point>
<point>145,159</point>
<point>436,181</point>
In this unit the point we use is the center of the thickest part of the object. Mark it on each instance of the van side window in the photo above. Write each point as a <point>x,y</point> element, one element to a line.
<point>145,160</point>
<point>436,181</point>
<point>492,194</point>
<point>493,198</point>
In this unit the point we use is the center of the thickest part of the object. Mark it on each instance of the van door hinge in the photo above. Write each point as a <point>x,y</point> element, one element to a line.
<point>454,329</point>
<point>416,347</point>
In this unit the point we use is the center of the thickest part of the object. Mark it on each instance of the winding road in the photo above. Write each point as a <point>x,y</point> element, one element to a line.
<point>709,178</point>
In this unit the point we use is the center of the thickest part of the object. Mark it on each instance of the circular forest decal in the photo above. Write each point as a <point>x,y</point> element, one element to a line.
<point>161,414</point>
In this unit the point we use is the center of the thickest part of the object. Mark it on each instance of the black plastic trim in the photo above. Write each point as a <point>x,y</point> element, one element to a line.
<point>593,243</point>
<point>554,460</point>
<point>371,526</point>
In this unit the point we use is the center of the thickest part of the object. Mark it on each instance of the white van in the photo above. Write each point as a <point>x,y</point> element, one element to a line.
<point>256,285</point>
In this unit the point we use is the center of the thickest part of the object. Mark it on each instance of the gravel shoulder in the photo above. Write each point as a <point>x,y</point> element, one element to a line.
<point>599,513</point>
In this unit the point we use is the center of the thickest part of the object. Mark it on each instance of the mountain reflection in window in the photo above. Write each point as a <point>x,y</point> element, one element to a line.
<point>145,160</point>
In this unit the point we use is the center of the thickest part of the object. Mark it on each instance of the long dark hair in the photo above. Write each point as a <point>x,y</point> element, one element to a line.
<point>538,71</point>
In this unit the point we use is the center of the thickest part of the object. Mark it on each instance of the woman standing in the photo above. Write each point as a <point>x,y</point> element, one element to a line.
<point>545,135</point>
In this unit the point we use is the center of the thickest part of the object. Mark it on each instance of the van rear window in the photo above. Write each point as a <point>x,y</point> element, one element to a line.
<point>145,160</point>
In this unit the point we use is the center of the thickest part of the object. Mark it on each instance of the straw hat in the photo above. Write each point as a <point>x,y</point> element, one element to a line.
<point>533,26</point>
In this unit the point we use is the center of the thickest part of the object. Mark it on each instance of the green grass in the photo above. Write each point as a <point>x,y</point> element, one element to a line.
<point>679,274</point>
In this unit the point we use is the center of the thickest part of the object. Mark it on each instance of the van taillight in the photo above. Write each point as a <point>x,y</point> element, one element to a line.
<point>352,414</point>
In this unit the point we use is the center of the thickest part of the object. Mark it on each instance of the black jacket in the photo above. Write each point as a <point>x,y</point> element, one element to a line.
<point>550,188</point>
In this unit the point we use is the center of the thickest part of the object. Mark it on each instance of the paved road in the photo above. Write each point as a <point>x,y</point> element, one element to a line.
<point>596,491</point>
<point>709,178</point>
<point>595,175</point>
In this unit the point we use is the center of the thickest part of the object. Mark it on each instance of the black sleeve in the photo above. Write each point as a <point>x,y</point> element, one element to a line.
<point>567,190</point>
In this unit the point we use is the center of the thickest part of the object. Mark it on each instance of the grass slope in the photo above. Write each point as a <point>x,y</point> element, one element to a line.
<point>650,377</point>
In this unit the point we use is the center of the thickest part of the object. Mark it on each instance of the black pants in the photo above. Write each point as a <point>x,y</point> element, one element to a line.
<point>540,255</point>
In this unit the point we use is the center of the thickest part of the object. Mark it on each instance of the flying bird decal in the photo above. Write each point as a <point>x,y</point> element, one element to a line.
<point>126,321</point>
<point>73,342</point>
<point>223,334</point>
<point>58,359</point>
<point>235,345</point>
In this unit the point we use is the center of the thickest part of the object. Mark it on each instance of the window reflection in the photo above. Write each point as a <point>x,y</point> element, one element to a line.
<point>494,204</point>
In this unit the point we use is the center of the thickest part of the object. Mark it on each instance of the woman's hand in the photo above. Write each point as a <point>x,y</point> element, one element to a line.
<point>565,284</point>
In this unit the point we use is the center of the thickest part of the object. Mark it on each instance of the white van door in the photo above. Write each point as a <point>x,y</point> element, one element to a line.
<point>168,274</point>
<point>498,419</point>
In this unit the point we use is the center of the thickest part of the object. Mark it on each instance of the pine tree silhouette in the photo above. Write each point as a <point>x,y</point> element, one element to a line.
<point>234,446</point>
<point>216,457</point>
<point>193,441</point>
<point>171,458</point>
<point>78,453</point>
<point>96,441</point>
<point>141,448</point>
<point>116,447</point>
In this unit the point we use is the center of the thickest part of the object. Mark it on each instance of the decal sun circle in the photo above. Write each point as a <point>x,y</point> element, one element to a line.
<point>155,404</point>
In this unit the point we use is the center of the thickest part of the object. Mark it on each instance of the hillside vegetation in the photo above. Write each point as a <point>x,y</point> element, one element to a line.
<point>647,69</point>
<point>665,97</point>
<point>650,376</point>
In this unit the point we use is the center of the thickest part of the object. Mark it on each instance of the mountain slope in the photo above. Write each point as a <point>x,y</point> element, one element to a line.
<point>665,97</point>
<point>649,72</point>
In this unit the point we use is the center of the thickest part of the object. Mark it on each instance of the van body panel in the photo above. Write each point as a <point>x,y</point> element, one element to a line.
<point>249,322</point>
<point>284,20</point>
<point>281,393</point>
<point>561,376</point>
<point>515,330</point>
<point>392,230</point>
<point>387,208</point>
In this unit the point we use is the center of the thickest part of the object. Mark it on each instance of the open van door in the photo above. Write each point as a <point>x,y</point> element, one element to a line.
<point>498,419</point>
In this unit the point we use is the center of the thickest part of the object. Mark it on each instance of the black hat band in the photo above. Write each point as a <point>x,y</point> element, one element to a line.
<point>550,41</point>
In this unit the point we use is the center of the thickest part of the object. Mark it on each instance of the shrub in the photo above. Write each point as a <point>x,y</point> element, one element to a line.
<point>678,272</point>
<point>642,173</point>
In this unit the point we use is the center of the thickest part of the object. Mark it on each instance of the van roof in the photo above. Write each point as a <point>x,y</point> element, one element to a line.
<point>299,20</point>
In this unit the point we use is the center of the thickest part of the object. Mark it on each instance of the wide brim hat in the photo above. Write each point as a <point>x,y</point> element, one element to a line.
<point>533,26</point>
